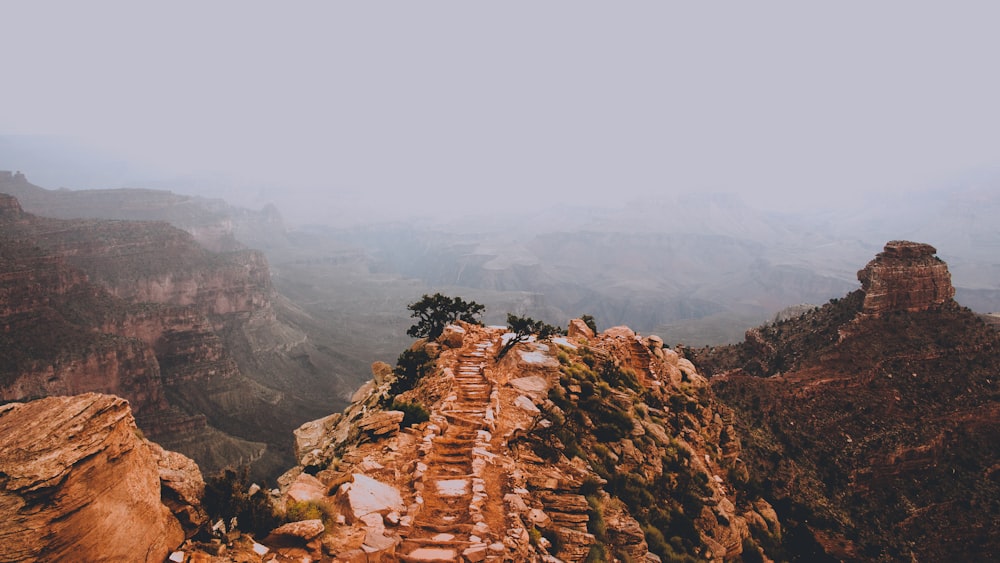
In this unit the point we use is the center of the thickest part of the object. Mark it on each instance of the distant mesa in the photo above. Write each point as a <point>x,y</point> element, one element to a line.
<point>905,276</point>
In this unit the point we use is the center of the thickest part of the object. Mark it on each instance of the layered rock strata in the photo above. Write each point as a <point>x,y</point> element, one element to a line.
<point>905,276</point>
<point>78,482</point>
<point>142,311</point>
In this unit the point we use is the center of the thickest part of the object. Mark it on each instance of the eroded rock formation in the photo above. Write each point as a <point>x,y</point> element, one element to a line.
<point>872,419</point>
<point>906,276</point>
<point>142,311</point>
<point>77,481</point>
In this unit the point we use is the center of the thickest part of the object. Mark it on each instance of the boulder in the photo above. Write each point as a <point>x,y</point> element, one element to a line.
<point>181,487</point>
<point>381,372</point>
<point>526,405</point>
<point>533,385</point>
<point>619,332</point>
<point>579,329</point>
<point>654,342</point>
<point>312,435</point>
<point>78,479</point>
<point>363,391</point>
<point>381,423</point>
<point>306,488</point>
<point>366,496</point>
<point>452,336</point>
<point>687,368</point>
<point>304,530</point>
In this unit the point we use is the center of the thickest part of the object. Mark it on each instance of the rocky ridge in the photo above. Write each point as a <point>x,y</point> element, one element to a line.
<point>77,478</point>
<point>585,446</point>
<point>872,428</point>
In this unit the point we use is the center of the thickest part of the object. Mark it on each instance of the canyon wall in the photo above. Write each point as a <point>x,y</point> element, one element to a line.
<point>141,310</point>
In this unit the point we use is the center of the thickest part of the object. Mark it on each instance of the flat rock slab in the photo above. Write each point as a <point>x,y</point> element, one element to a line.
<point>532,385</point>
<point>453,487</point>
<point>433,554</point>
<point>538,358</point>
<point>526,404</point>
<point>306,488</point>
<point>368,495</point>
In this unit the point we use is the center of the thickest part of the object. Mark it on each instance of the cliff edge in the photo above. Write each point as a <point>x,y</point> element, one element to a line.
<point>78,480</point>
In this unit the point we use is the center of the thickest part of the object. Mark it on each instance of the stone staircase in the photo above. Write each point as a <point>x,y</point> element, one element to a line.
<point>449,525</point>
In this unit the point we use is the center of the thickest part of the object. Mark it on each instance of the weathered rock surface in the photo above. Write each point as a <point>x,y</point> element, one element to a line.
<point>906,276</point>
<point>876,416</point>
<point>552,452</point>
<point>78,481</point>
<point>579,329</point>
<point>140,310</point>
<point>304,529</point>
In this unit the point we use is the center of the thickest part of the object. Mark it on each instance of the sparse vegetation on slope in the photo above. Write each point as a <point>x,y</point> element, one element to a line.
<point>874,433</point>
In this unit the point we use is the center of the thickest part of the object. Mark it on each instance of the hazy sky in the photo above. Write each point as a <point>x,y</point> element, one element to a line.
<point>474,102</point>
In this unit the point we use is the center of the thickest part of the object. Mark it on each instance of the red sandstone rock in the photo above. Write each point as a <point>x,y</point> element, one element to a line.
<point>906,276</point>
<point>79,482</point>
<point>579,329</point>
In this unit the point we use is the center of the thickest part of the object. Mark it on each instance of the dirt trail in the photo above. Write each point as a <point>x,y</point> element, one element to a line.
<point>451,526</point>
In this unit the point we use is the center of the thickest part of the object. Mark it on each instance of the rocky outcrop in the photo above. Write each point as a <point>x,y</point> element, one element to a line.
<point>601,446</point>
<point>79,481</point>
<point>871,422</point>
<point>905,276</point>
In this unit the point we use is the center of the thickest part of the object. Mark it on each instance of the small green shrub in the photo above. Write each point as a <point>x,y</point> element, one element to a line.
<point>410,367</point>
<point>296,511</point>
<point>595,518</point>
<point>563,357</point>
<point>597,554</point>
<point>226,497</point>
<point>534,536</point>
<point>413,413</point>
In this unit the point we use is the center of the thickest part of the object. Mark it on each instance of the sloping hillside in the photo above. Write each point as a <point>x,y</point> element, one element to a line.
<point>872,422</point>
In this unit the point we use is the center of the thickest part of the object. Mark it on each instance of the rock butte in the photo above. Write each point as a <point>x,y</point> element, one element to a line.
<point>905,276</point>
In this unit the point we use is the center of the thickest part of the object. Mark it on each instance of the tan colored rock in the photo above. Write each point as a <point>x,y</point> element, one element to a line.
<point>306,488</point>
<point>452,336</point>
<point>687,368</point>
<point>625,533</point>
<point>533,385</point>
<point>526,405</point>
<point>476,553</point>
<point>303,529</point>
<point>367,496</point>
<point>381,423</point>
<point>363,391</point>
<point>78,480</point>
<point>381,372</point>
<point>181,486</point>
<point>654,342</point>
<point>622,332</point>
<point>312,435</point>
<point>579,329</point>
